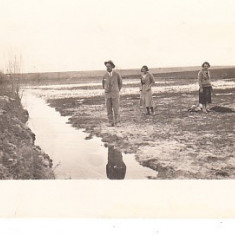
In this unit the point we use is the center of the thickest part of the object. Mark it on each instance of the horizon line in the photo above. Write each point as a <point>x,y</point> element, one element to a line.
<point>71,71</point>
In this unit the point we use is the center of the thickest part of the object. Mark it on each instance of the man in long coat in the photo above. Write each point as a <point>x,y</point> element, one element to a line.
<point>112,84</point>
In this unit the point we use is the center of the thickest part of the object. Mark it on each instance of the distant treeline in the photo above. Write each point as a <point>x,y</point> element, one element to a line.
<point>92,76</point>
<point>215,73</point>
<point>75,76</point>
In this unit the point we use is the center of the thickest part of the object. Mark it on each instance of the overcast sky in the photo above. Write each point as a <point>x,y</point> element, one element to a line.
<point>68,35</point>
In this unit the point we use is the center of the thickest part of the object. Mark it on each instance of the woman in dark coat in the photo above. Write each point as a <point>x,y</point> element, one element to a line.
<point>205,88</point>
<point>147,80</point>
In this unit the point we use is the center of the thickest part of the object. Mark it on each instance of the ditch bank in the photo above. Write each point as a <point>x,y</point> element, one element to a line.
<point>20,158</point>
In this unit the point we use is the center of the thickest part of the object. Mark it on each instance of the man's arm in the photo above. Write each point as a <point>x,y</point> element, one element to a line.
<point>119,82</point>
<point>103,82</point>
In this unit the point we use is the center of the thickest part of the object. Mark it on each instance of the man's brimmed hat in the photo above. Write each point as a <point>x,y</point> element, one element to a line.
<point>109,62</point>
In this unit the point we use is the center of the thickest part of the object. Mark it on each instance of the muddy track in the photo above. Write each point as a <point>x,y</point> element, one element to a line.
<point>176,143</point>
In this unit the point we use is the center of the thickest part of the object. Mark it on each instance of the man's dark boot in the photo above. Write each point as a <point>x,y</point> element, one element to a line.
<point>147,113</point>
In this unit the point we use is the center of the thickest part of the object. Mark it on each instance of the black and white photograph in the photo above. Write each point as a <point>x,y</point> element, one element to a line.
<point>115,91</point>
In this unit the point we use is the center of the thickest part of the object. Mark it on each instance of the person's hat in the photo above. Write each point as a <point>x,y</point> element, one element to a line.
<point>110,62</point>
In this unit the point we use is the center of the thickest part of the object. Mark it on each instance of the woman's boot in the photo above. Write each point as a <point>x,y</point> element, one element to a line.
<point>207,108</point>
<point>204,108</point>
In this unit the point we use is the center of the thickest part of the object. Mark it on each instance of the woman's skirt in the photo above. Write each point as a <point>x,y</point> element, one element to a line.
<point>205,96</point>
<point>146,99</point>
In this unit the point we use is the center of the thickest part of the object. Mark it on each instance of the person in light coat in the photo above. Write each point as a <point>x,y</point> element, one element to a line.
<point>146,99</point>
<point>112,84</point>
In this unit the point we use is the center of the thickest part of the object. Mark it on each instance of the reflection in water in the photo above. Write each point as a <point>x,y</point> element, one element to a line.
<point>77,157</point>
<point>115,168</point>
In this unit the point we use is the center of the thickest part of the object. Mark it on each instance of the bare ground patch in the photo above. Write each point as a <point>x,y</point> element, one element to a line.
<point>176,143</point>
